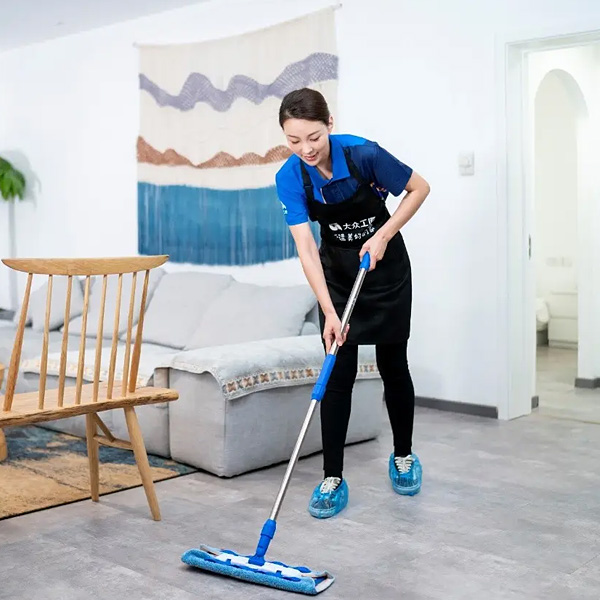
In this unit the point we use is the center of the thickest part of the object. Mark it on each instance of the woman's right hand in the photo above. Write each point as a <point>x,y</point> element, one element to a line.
<point>313,269</point>
<point>332,330</point>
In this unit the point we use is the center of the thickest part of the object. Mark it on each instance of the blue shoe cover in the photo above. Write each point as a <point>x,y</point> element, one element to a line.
<point>326,501</point>
<point>406,480</point>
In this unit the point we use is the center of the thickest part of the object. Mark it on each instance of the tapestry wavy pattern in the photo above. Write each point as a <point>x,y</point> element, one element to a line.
<point>210,143</point>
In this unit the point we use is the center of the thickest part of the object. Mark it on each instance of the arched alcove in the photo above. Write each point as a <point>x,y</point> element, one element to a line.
<point>562,279</point>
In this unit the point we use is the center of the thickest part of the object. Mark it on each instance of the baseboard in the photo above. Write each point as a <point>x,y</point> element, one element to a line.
<point>588,384</point>
<point>478,410</point>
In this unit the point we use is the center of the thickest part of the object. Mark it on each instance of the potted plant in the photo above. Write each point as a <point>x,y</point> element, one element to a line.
<point>12,185</point>
<point>12,182</point>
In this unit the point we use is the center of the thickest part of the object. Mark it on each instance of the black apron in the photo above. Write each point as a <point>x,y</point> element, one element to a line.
<point>383,308</point>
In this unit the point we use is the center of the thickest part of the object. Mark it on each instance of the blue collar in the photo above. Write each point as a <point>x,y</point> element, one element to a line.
<point>338,162</point>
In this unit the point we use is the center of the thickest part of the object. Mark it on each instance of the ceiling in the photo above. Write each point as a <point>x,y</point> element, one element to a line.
<point>26,22</point>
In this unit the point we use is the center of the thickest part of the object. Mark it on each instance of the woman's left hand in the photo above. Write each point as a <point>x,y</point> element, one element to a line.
<point>376,247</point>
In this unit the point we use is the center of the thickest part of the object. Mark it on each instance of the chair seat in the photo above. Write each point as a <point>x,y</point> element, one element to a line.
<point>25,406</point>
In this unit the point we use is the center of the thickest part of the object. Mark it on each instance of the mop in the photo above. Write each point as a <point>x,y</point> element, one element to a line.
<point>255,568</point>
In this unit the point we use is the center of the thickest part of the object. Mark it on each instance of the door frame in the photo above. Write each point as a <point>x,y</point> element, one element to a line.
<point>515,206</point>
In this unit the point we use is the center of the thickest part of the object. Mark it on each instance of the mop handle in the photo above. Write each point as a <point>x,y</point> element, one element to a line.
<point>319,388</point>
<point>268,530</point>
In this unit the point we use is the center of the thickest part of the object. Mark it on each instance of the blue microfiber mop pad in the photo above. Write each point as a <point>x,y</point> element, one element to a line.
<point>272,574</point>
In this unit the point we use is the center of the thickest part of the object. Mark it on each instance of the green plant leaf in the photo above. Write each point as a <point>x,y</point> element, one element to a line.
<point>4,166</point>
<point>12,182</point>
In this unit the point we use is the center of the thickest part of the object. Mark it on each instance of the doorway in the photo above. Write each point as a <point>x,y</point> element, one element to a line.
<point>550,278</point>
<point>559,122</point>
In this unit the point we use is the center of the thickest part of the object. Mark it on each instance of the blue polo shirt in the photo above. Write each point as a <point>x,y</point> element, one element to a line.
<point>375,165</point>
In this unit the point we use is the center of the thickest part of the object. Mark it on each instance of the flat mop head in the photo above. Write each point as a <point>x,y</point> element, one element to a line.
<point>272,574</point>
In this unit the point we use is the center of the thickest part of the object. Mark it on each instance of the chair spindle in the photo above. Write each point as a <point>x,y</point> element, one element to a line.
<point>44,363</point>
<point>127,358</point>
<point>15,358</point>
<point>82,341</point>
<point>65,344</point>
<point>115,340</point>
<point>137,348</point>
<point>99,336</point>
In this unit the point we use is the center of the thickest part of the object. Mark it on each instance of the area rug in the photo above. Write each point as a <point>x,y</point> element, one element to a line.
<point>46,468</point>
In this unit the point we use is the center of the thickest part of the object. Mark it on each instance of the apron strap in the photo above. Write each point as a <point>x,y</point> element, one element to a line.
<point>352,167</point>
<point>308,191</point>
<point>306,181</point>
<point>356,174</point>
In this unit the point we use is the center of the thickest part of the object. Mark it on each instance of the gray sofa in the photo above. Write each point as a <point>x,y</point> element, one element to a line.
<point>243,358</point>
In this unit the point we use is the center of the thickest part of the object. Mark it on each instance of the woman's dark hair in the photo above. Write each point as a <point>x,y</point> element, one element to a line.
<point>306,104</point>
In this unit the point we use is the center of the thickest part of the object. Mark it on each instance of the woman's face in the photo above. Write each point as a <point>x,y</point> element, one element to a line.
<point>309,140</point>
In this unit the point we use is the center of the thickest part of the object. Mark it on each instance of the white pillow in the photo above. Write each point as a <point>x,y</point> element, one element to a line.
<point>37,303</point>
<point>245,312</point>
<point>17,316</point>
<point>179,304</point>
<point>95,302</point>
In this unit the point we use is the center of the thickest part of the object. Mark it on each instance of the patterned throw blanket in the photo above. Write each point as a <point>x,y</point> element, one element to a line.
<point>240,369</point>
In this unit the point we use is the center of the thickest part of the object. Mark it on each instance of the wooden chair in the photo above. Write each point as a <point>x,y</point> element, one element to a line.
<point>92,398</point>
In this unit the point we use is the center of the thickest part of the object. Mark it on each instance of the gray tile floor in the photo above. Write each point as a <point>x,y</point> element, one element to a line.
<point>508,511</point>
<point>556,373</point>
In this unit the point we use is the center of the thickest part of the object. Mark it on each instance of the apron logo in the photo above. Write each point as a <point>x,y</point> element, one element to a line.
<point>357,230</point>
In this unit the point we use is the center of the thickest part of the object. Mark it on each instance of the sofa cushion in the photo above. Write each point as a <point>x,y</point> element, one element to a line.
<point>95,302</point>
<point>179,304</point>
<point>37,303</point>
<point>245,312</point>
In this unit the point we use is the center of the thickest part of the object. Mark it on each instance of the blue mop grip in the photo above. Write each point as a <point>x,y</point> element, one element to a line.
<point>266,535</point>
<point>319,389</point>
<point>365,263</point>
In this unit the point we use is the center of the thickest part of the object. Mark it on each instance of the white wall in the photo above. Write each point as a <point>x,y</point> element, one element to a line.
<point>419,77</point>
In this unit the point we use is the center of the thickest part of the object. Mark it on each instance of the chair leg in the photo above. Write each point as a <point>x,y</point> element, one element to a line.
<point>141,458</point>
<point>3,448</point>
<point>92,449</point>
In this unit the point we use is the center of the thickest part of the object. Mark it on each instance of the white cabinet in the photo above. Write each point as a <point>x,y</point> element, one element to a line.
<point>562,328</point>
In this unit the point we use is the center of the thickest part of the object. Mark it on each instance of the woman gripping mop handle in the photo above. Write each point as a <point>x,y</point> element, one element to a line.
<point>342,182</point>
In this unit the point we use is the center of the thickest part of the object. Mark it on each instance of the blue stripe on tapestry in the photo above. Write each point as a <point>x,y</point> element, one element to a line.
<point>213,227</point>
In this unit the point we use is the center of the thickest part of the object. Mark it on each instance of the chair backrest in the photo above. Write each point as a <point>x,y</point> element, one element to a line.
<point>88,268</point>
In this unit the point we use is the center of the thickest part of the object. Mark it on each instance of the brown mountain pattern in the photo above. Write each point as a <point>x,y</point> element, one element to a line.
<point>147,154</point>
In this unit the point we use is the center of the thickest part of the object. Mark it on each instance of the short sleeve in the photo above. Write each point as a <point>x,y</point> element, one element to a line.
<point>389,172</point>
<point>292,198</point>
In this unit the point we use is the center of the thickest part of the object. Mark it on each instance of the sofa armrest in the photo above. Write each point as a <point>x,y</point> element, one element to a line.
<point>241,369</point>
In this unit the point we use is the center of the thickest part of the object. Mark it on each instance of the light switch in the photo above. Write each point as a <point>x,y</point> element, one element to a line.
<point>466,163</point>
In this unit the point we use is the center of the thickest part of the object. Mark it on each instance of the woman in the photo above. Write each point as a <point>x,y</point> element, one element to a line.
<point>342,182</point>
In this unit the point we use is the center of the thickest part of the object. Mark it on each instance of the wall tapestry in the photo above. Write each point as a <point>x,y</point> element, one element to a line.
<point>210,142</point>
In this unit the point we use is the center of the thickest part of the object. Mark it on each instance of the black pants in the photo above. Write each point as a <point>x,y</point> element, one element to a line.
<point>336,404</point>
